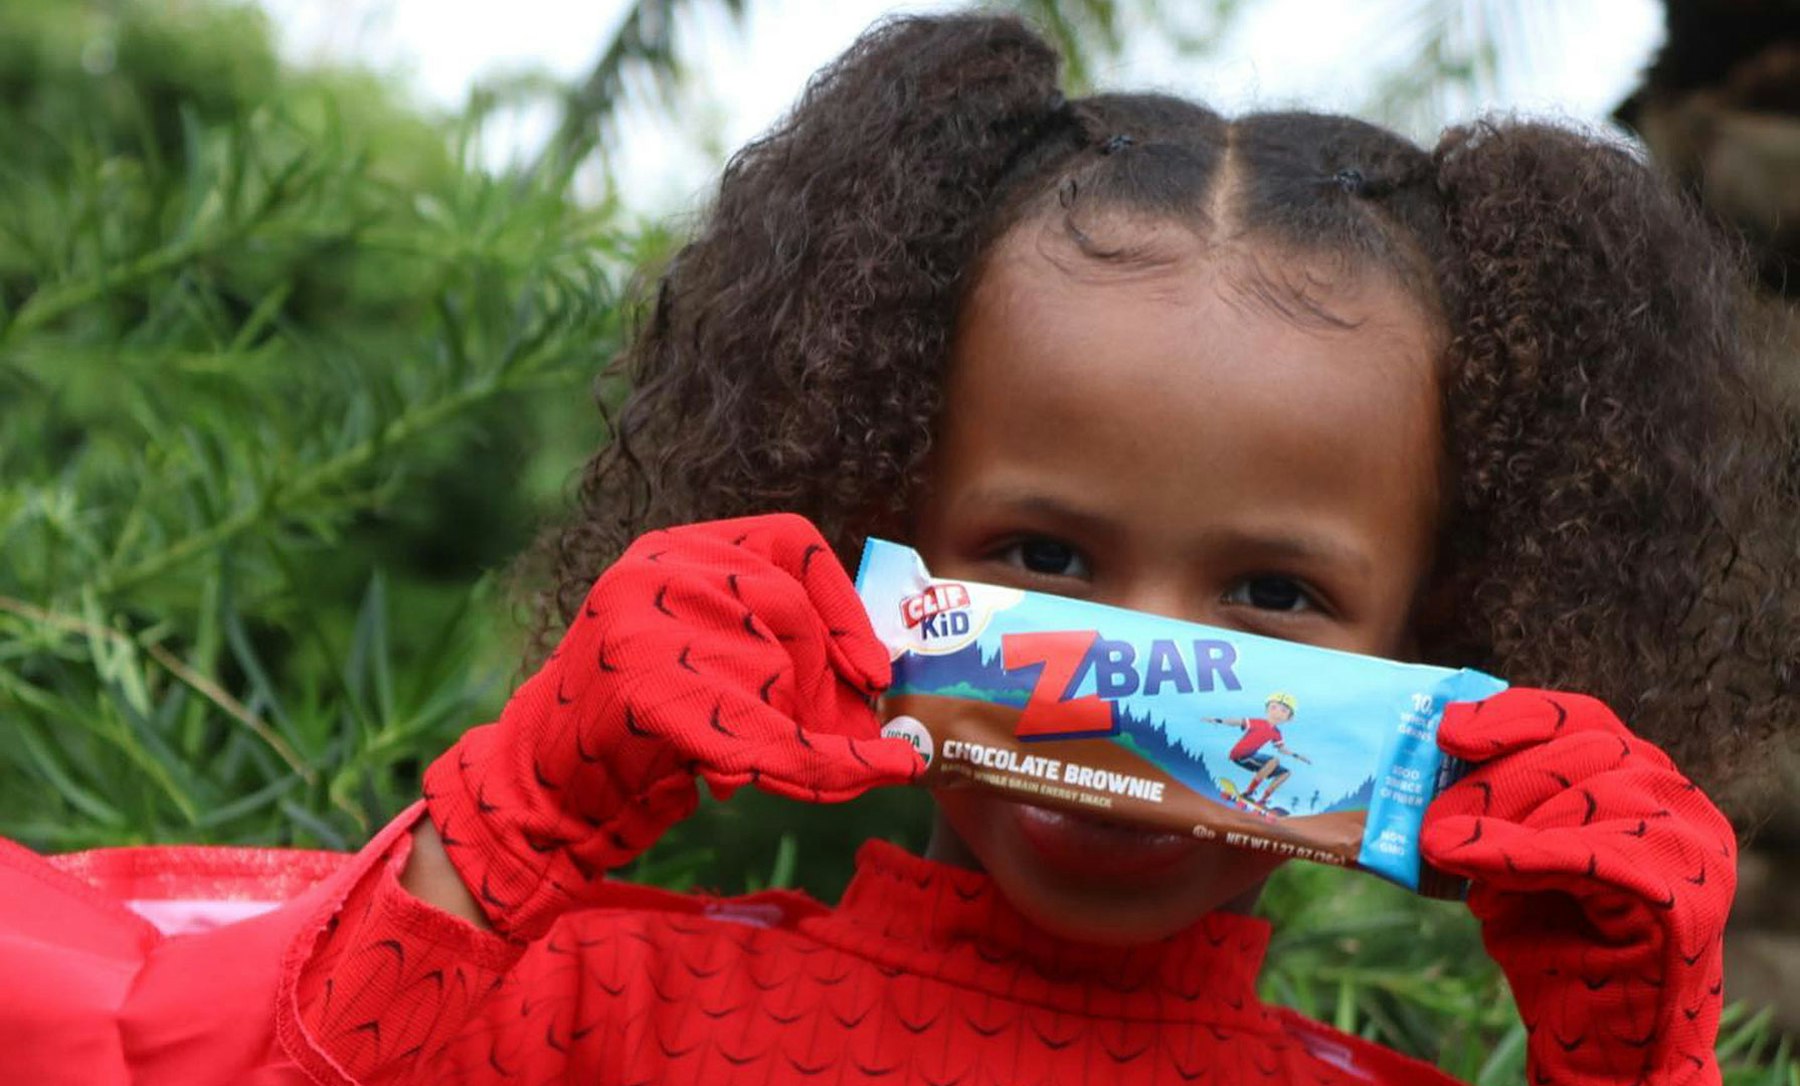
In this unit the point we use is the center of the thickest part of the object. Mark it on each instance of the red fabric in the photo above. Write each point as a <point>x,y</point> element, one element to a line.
<point>1257,731</point>
<point>924,974</point>
<point>734,651</point>
<point>91,994</point>
<point>1602,878</point>
<point>186,888</point>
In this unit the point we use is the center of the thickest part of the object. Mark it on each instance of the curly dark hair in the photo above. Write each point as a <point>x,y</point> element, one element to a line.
<point>1621,507</point>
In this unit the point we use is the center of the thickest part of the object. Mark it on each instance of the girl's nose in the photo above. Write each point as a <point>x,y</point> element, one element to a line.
<point>1170,598</point>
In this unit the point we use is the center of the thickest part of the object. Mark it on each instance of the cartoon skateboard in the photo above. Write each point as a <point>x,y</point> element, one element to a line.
<point>1267,769</point>
<point>1229,789</point>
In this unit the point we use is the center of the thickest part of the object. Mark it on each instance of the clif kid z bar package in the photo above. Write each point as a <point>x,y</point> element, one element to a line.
<point>1170,725</point>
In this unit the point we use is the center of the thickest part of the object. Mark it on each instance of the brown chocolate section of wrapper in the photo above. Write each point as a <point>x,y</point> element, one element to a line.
<point>1334,837</point>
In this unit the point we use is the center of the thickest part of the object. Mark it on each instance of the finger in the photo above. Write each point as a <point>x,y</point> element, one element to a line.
<point>858,655</point>
<point>757,631</point>
<point>722,789</point>
<point>1650,831</point>
<point>741,628</point>
<point>833,612</point>
<point>1591,865</point>
<point>1516,784</point>
<point>839,644</point>
<point>855,652</point>
<point>659,570</point>
<point>792,543</point>
<point>672,799</point>
<point>790,676</point>
<point>734,734</point>
<point>1518,718</point>
<point>823,769</point>
<point>1502,854</point>
<point>837,768</point>
<point>1633,798</point>
<point>839,709</point>
<point>849,766</point>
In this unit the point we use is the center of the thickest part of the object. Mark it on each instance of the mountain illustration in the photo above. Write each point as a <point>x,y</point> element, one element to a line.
<point>1357,800</point>
<point>966,673</point>
<point>1165,746</point>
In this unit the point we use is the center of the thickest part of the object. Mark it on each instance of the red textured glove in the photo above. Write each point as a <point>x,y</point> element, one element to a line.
<point>1602,879</point>
<point>735,651</point>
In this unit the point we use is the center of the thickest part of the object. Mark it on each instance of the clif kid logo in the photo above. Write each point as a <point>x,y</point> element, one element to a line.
<point>941,611</point>
<point>1068,658</point>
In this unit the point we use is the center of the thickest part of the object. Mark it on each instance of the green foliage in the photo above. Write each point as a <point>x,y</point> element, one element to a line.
<point>1376,960</point>
<point>261,334</point>
<point>283,379</point>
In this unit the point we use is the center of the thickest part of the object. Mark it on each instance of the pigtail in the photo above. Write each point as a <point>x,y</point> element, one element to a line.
<point>1622,509</point>
<point>821,286</point>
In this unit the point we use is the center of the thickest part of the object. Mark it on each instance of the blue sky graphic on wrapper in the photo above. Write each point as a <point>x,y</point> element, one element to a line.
<point>1368,726</point>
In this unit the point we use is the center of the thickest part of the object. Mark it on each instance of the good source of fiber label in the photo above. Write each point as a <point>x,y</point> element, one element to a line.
<point>1261,743</point>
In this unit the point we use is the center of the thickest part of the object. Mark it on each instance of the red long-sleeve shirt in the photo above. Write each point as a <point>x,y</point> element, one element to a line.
<point>923,974</point>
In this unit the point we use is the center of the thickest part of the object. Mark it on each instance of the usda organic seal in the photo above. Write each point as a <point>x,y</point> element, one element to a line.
<point>911,729</point>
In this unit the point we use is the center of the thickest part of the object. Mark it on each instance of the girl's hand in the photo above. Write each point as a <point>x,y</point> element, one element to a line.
<point>1602,879</point>
<point>736,652</point>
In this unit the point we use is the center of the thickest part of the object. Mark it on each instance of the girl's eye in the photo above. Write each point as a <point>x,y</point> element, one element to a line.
<point>1046,558</point>
<point>1271,593</point>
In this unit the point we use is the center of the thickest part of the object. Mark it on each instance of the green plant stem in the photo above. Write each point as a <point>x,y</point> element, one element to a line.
<point>232,708</point>
<point>199,683</point>
<point>49,304</point>
<point>306,484</point>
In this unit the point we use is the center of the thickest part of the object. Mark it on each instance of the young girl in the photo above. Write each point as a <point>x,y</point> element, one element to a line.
<point>1482,406</point>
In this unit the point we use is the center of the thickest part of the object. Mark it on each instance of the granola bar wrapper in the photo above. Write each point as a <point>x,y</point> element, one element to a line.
<point>1150,721</point>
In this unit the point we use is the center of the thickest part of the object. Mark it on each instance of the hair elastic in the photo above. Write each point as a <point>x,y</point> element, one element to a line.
<point>1349,181</point>
<point>1115,144</point>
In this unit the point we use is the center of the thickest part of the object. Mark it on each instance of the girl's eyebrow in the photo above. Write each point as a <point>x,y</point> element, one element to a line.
<point>1036,503</point>
<point>1298,545</point>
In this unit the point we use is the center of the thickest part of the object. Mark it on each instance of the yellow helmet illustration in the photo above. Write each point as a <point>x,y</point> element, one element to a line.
<point>1285,700</point>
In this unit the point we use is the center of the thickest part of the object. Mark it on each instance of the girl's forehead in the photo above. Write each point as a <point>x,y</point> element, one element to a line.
<point>1252,318</point>
<point>1173,398</point>
<point>1178,262</point>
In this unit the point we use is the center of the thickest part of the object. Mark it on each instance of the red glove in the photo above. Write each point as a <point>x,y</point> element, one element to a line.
<point>1602,879</point>
<point>735,651</point>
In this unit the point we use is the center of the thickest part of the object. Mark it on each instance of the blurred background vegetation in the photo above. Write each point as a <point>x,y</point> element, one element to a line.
<point>288,376</point>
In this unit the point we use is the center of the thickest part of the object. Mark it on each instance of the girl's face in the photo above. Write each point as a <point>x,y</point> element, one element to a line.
<point>1166,438</point>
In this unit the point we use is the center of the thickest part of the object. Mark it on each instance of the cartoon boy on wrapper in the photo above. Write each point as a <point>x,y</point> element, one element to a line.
<point>1260,732</point>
